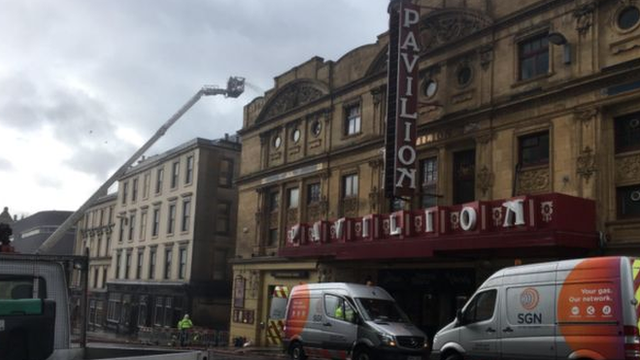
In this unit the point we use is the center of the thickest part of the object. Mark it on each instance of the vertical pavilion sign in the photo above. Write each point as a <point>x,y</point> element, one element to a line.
<point>402,99</point>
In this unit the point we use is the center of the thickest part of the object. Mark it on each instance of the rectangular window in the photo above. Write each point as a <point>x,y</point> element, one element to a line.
<point>146,185</point>
<point>188,178</point>
<point>182,270</point>
<point>104,278</point>
<point>186,215</point>
<point>226,173</point>
<point>273,237</point>
<point>158,314</point>
<point>313,193</point>
<point>534,57</point>
<point>274,201</point>
<point>113,308</point>
<point>139,264</point>
<point>175,174</point>
<point>143,225</point>
<point>223,218</point>
<point>142,311</point>
<point>464,172</point>
<point>353,120</point>
<point>95,277</point>
<point>293,196</point>
<point>627,132</point>
<point>117,265</point>
<point>152,263</point>
<point>125,192</point>
<point>429,181</point>
<point>132,225</point>
<point>127,265</point>
<point>628,201</point>
<point>171,218</point>
<point>159,179</point>
<point>134,190</point>
<point>101,217</point>
<point>168,313</point>
<point>123,221</point>
<point>350,186</point>
<point>156,222</point>
<point>534,149</point>
<point>168,254</point>
<point>99,247</point>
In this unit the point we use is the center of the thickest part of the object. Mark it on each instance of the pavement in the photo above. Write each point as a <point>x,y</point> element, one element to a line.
<point>226,352</point>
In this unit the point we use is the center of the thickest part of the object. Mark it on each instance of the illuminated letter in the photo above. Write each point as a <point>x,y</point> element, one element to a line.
<point>339,224</point>
<point>428,215</point>
<point>410,41</point>
<point>514,207</point>
<point>409,66</point>
<point>411,174</point>
<point>403,110</point>
<point>468,218</point>
<point>315,231</point>
<point>410,17</point>
<point>365,226</point>
<point>394,228</point>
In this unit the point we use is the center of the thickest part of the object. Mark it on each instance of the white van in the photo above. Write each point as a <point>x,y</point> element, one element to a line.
<point>576,309</point>
<point>337,320</point>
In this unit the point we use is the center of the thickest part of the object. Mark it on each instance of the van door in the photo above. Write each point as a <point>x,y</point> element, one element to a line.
<point>339,328</point>
<point>527,325</point>
<point>480,321</point>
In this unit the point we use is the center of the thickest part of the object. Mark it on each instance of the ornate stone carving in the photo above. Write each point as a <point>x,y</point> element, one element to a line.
<point>292,217</point>
<point>586,163</point>
<point>584,17</point>
<point>628,168</point>
<point>585,115</point>
<point>485,180</point>
<point>533,181</point>
<point>376,163</point>
<point>350,207</point>
<point>377,95</point>
<point>291,98</point>
<point>273,219</point>
<point>448,25</point>
<point>485,138</point>
<point>374,199</point>
<point>486,56</point>
<point>314,212</point>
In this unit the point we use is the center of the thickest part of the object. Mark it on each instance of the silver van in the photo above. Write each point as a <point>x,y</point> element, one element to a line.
<point>575,309</point>
<point>340,320</point>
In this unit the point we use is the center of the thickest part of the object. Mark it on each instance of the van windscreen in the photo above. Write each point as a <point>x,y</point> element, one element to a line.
<point>381,310</point>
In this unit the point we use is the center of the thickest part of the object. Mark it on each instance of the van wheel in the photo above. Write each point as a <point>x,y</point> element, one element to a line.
<point>362,354</point>
<point>454,357</point>
<point>297,352</point>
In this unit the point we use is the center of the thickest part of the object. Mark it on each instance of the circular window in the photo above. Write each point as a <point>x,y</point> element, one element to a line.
<point>635,196</point>
<point>295,135</point>
<point>430,88</point>
<point>316,128</point>
<point>633,123</point>
<point>464,76</point>
<point>628,17</point>
<point>277,142</point>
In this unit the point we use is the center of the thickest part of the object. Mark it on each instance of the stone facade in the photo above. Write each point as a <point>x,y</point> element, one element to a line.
<point>503,112</point>
<point>173,237</point>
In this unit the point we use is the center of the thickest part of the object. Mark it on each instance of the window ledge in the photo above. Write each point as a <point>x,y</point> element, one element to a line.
<point>534,79</point>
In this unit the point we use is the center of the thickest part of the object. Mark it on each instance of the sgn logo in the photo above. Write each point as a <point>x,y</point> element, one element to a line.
<point>529,299</point>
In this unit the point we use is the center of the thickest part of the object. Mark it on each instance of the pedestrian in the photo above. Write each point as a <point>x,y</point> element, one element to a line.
<point>184,325</point>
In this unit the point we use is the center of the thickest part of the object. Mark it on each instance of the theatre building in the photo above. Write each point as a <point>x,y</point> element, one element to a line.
<point>522,120</point>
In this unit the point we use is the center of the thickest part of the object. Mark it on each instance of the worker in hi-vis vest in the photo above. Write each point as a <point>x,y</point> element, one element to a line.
<point>184,325</point>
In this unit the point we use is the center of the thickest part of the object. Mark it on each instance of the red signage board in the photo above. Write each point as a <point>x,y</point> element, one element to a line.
<point>520,222</point>
<point>402,96</point>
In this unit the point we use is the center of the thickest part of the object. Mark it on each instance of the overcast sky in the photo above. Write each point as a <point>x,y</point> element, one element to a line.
<point>84,83</point>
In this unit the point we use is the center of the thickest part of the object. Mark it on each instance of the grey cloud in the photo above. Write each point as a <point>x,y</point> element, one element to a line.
<point>49,181</point>
<point>5,165</point>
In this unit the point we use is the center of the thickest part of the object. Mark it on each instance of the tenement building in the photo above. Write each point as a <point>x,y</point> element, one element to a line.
<point>173,238</point>
<point>527,149</point>
<point>94,239</point>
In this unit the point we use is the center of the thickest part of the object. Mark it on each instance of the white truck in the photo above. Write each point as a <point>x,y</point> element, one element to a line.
<point>34,315</point>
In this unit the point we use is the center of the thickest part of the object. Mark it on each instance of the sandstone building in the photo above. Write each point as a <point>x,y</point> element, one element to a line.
<point>528,101</point>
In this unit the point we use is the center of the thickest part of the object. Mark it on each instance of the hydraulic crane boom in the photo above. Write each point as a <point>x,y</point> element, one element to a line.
<point>235,87</point>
